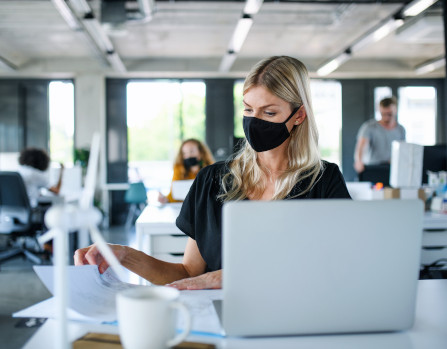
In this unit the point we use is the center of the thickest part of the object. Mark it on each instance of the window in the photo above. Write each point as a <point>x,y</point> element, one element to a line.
<point>160,114</point>
<point>61,108</point>
<point>326,100</point>
<point>417,113</point>
<point>238,109</point>
<point>326,97</point>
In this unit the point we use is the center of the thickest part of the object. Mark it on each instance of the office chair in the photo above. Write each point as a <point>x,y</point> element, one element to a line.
<point>137,198</point>
<point>16,218</point>
<point>376,173</point>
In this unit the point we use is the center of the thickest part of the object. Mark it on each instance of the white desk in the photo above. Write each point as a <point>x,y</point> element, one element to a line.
<point>434,239</point>
<point>428,332</point>
<point>157,234</point>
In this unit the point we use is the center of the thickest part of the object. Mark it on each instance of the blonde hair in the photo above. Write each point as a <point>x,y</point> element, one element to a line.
<point>206,158</point>
<point>288,79</point>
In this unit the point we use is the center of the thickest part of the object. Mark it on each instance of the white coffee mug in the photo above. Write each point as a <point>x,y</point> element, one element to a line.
<point>147,317</point>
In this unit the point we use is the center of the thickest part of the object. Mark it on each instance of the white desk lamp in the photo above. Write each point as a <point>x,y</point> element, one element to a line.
<point>64,219</point>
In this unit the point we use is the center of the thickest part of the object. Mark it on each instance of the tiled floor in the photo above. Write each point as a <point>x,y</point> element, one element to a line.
<point>20,288</point>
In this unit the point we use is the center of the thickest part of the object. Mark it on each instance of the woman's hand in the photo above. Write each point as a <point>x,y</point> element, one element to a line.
<point>211,280</point>
<point>91,255</point>
<point>162,199</point>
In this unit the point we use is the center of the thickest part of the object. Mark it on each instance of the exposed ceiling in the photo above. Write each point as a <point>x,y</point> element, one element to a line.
<point>190,38</point>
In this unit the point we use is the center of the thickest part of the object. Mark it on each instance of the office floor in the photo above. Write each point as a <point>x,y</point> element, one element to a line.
<point>20,288</point>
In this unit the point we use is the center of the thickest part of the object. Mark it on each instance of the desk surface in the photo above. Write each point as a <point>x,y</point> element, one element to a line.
<point>429,330</point>
<point>164,214</point>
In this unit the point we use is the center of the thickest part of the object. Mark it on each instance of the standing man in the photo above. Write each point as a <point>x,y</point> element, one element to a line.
<point>374,137</point>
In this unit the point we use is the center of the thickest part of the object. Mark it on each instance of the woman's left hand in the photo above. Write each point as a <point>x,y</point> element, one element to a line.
<point>211,280</point>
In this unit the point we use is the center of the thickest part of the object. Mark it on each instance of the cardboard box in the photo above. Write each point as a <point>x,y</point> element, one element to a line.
<point>403,193</point>
<point>406,165</point>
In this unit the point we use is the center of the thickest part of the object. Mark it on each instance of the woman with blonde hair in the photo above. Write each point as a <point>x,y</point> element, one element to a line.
<point>280,160</point>
<point>192,156</point>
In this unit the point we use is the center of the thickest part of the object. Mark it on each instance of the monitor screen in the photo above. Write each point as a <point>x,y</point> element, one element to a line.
<point>435,160</point>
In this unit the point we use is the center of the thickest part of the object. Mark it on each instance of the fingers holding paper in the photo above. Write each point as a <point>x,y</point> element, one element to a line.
<point>211,280</point>
<point>92,255</point>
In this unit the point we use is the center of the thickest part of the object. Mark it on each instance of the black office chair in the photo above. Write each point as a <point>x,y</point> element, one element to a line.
<point>16,219</point>
<point>376,173</point>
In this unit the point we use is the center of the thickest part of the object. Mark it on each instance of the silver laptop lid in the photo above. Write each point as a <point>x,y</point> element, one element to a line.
<point>320,266</point>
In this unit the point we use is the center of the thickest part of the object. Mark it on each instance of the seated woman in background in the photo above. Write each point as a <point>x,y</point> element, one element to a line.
<point>280,161</point>
<point>192,156</point>
<point>33,168</point>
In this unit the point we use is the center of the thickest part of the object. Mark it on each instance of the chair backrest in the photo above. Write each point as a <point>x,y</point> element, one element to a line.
<point>136,193</point>
<point>15,208</point>
<point>376,173</point>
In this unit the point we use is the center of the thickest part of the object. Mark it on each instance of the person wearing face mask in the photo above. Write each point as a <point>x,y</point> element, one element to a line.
<point>280,160</point>
<point>192,156</point>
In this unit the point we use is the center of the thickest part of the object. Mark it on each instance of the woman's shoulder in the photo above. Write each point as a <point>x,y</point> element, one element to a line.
<point>215,170</point>
<point>216,167</point>
<point>329,168</point>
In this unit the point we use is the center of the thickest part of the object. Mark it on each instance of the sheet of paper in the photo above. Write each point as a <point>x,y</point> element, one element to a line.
<point>89,293</point>
<point>47,309</point>
<point>205,320</point>
<point>92,299</point>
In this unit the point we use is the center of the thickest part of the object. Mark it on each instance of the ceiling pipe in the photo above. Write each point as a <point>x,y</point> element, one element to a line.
<point>95,34</point>
<point>385,28</point>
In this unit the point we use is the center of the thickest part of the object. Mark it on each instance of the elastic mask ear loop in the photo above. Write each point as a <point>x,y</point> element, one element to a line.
<point>293,113</point>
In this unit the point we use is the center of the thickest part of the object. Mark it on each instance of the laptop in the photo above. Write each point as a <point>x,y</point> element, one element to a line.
<point>300,267</point>
<point>181,188</point>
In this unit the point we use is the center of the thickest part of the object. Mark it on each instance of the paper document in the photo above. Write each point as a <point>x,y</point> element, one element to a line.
<point>204,317</point>
<point>92,299</point>
<point>48,309</point>
<point>89,293</point>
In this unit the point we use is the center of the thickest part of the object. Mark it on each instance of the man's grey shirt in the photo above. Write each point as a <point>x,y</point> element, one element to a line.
<point>378,147</point>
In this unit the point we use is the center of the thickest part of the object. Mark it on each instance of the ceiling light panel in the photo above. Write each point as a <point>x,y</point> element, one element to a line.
<point>416,7</point>
<point>67,14</point>
<point>240,33</point>
<point>252,6</point>
<point>430,66</point>
<point>333,64</point>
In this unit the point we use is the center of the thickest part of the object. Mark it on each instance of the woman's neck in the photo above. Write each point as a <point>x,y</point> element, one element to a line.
<point>274,160</point>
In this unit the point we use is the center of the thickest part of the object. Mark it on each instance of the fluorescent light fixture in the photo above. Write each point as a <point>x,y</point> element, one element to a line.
<point>147,7</point>
<point>429,66</point>
<point>68,15</point>
<point>116,62</point>
<point>81,6</point>
<point>252,6</point>
<point>417,6</point>
<point>7,65</point>
<point>240,33</point>
<point>333,64</point>
<point>97,33</point>
<point>377,34</point>
<point>227,61</point>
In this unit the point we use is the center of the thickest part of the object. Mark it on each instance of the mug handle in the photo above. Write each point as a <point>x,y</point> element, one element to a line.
<point>187,316</point>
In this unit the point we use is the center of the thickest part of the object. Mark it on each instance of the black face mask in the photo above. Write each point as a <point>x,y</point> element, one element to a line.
<point>190,162</point>
<point>266,135</point>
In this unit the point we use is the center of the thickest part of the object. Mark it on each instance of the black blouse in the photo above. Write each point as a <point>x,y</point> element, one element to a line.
<point>201,214</point>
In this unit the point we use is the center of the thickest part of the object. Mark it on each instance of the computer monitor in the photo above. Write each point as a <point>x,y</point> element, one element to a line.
<point>435,160</point>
